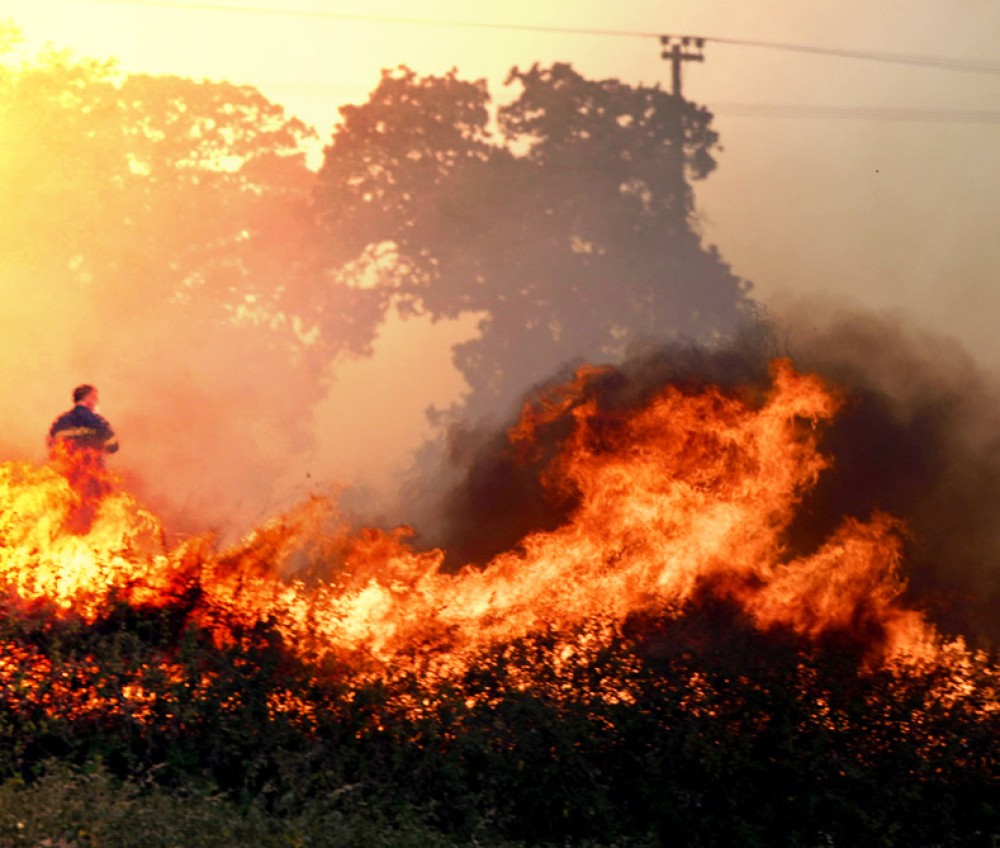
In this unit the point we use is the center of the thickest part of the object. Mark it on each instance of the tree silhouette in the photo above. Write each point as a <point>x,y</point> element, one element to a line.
<point>162,193</point>
<point>158,231</point>
<point>568,229</point>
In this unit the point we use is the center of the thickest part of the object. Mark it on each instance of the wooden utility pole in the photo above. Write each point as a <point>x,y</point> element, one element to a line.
<point>675,48</point>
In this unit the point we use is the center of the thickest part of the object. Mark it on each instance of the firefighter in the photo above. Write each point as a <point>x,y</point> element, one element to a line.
<point>78,441</point>
<point>82,428</point>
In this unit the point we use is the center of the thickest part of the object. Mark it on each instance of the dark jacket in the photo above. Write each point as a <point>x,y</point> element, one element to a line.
<point>83,428</point>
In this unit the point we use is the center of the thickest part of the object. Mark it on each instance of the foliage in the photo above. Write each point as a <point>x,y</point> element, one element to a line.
<point>67,808</point>
<point>152,191</point>
<point>687,731</point>
<point>156,235</point>
<point>177,222</point>
<point>568,230</point>
<point>564,220</point>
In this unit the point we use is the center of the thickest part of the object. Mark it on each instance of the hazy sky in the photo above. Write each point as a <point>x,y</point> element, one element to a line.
<point>854,191</point>
<point>863,180</point>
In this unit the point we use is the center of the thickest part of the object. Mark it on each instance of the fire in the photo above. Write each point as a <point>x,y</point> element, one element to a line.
<point>46,557</point>
<point>691,491</point>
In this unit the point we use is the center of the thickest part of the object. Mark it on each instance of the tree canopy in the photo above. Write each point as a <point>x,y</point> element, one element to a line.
<point>182,219</point>
<point>157,191</point>
<point>155,237</point>
<point>564,218</point>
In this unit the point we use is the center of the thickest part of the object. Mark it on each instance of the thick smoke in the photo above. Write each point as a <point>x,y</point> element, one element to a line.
<point>216,435</point>
<point>204,427</point>
<point>133,257</point>
<point>916,437</point>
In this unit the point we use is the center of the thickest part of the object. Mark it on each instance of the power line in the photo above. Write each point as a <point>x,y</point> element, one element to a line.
<point>938,62</point>
<point>788,111</point>
<point>380,19</point>
<point>859,113</point>
<point>942,62</point>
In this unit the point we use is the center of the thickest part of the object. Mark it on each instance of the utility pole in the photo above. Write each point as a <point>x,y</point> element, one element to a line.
<point>674,49</point>
<point>677,48</point>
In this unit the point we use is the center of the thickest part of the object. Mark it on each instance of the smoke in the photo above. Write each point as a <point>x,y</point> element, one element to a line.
<point>917,437</point>
<point>204,422</point>
<point>175,290</point>
<point>216,433</point>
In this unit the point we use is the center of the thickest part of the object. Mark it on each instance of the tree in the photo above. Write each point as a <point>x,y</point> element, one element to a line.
<point>156,237</point>
<point>569,230</point>
<point>158,192</point>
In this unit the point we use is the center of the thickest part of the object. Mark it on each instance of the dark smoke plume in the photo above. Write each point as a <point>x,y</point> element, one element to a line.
<point>916,437</point>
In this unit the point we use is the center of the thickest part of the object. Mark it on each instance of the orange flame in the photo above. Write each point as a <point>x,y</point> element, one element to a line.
<point>692,489</point>
<point>70,547</point>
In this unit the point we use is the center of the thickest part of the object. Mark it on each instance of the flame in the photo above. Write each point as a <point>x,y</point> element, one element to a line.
<point>691,491</point>
<point>70,538</point>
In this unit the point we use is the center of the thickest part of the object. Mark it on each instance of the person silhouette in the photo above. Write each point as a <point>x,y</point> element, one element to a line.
<point>78,442</point>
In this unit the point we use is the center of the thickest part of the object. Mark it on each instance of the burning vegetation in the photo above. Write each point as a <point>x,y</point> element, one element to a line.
<point>662,658</point>
<point>723,605</point>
